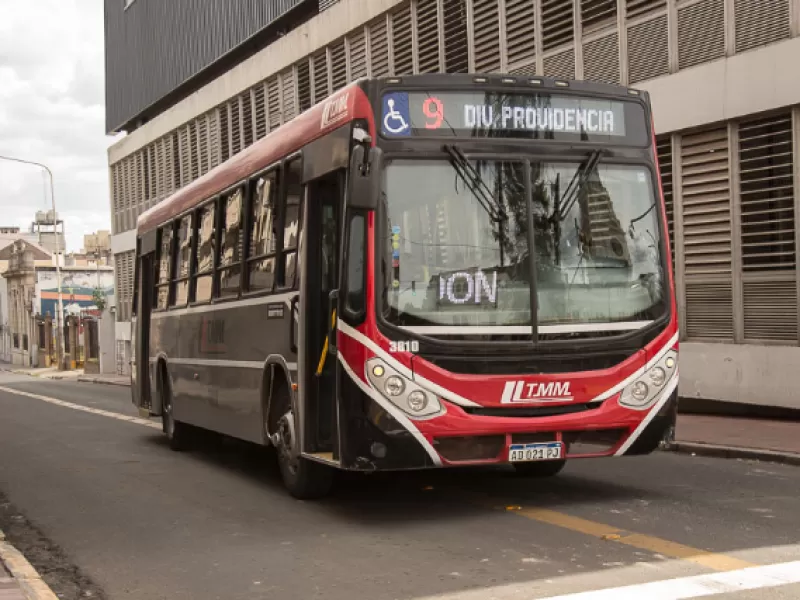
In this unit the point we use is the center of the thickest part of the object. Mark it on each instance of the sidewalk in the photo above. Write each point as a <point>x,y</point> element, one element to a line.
<point>739,437</point>
<point>18,579</point>
<point>76,375</point>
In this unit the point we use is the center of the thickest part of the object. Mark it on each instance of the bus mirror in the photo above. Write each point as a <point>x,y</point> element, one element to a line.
<point>365,177</point>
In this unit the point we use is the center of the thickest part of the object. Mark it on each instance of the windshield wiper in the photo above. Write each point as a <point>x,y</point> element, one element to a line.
<point>470,176</point>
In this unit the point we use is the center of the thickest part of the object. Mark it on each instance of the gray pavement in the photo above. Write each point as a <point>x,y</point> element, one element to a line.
<point>143,522</point>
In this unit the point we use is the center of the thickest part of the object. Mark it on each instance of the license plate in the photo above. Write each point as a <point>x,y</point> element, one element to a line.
<point>531,452</point>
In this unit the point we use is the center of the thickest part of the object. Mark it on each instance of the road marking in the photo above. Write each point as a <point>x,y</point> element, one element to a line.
<point>698,586</point>
<point>87,409</point>
<point>710,560</point>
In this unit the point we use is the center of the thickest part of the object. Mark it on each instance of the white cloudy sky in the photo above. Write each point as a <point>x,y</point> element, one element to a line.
<point>52,111</point>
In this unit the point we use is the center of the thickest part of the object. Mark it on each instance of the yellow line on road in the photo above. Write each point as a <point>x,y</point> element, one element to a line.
<point>710,560</point>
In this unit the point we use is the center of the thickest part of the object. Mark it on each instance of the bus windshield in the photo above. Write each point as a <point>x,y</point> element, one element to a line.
<point>459,252</point>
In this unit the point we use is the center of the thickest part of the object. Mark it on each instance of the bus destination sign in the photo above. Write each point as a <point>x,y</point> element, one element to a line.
<point>495,114</point>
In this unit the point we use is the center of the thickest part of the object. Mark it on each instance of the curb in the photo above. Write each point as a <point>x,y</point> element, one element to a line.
<point>84,379</point>
<point>786,458</point>
<point>31,583</point>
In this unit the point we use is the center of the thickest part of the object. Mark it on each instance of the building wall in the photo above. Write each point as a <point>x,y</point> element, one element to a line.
<point>725,111</point>
<point>193,34</point>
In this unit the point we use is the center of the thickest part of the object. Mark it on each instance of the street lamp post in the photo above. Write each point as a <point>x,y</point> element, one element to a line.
<point>60,312</point>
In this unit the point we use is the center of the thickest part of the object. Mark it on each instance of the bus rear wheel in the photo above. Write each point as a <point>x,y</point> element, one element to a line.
<point>177,432</point>
<point>305,479</point>
<point>548,468</point>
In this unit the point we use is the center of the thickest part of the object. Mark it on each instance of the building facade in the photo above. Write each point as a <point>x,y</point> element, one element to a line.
<point>727,116</point>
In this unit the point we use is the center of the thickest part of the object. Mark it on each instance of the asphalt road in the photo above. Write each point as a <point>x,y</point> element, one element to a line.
<point>104,509</point>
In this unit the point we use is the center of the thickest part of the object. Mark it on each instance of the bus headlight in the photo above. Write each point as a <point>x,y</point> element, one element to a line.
<point>394,386</point>
<point>417,401</point>
<point>402,392</point>
<point>642,392</point>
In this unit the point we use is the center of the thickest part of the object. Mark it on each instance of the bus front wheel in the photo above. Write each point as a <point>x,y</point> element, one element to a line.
<point>548,468</point>
<point>305,479</point>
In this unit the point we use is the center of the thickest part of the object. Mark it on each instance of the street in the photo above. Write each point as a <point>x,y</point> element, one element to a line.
<point>142,522</point>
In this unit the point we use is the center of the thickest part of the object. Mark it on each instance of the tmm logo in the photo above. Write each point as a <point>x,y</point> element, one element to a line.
<point>335,110</point>
<point>521,392</point>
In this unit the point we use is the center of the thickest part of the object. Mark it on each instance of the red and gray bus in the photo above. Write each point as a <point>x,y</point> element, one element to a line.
<point>418,272</point>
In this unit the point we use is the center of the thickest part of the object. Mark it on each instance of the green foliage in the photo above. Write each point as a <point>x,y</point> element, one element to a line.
<point>99,299</point>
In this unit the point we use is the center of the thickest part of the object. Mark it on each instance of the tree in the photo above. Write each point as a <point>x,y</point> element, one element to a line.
<point>99,298</point>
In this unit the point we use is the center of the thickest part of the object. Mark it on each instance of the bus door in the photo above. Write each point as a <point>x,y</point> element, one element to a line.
<point>140,330</point>
<point>324,201</point>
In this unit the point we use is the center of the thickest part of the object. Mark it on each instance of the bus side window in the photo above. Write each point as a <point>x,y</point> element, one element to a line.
<point>261,260</point>
<point>204,258</point>
<point>164,266</point>
<point>230,251</point>
<point>354,292</point>
<point>292,212</point>
<point>180,296</point>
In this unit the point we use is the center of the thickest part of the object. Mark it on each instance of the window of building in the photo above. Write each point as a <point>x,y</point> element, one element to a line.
<point>261,261</point>
<point>183,261</point>
<point>204,258</point>
<point>292,223</point>
<point>230,250</point>
<point>164,265</point>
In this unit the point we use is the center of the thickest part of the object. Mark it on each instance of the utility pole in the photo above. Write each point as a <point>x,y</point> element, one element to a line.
<point>60,312</point>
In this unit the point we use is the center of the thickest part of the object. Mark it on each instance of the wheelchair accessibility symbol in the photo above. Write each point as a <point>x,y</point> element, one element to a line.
<point>395,115</point>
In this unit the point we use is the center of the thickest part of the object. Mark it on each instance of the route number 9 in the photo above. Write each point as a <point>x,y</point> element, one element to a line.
<point>434,110</point>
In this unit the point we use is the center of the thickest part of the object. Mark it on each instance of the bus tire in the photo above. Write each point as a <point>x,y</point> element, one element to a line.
<point>548,468</point>
<point>177,432</point>
<point>303,478</point>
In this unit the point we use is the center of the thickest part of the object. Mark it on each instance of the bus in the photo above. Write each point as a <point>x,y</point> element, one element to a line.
<point>419,272</point>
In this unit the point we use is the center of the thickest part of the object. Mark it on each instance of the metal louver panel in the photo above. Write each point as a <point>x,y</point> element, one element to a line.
<point>194,150</point>
<point>304,85</point>
<point>760,22</point>
<point>213,139</point>
<point>766,190</point>
<point>321,90</point>
<point>224,134</point>
<point>770,309</point>
<point>428,36</point>
<point>558,27</point>
<point>709,310</point>
<point>273,103</point>
<point>326,4</point>
<point>638,8</point>
<point>260,107</point>
<point>701,32</point>
<point>185,154</point>
<point>288,104</point>
<point>235,116</point>
<point>706,203</point>
<point>601,59</point>
<point>338,65</point>
<point>598,14</point>
<point>560,65</point>
<point>401,41</point>
<point>648,52</point>
<point>529,69</point>
<point>203,162</point>
<point>487,36</point>
<point>520,32</point>
<point>174,161</point>
<point>707,254</point>
<point>664,150</point>
<point>379,48</point>
<point>358,55</point>
<point>456,56</point>
<point>248,136</point>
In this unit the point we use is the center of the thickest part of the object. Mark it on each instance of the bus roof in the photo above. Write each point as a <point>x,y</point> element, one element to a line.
<point>347,104</point>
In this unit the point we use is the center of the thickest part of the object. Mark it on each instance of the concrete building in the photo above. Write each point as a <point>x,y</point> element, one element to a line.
<point>727,115</point>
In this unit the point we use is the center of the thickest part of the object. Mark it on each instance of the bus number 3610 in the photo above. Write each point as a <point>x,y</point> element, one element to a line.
<point>401,346</point>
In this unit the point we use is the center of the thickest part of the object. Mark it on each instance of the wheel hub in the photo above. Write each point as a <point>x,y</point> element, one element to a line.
<point>286,439</point>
